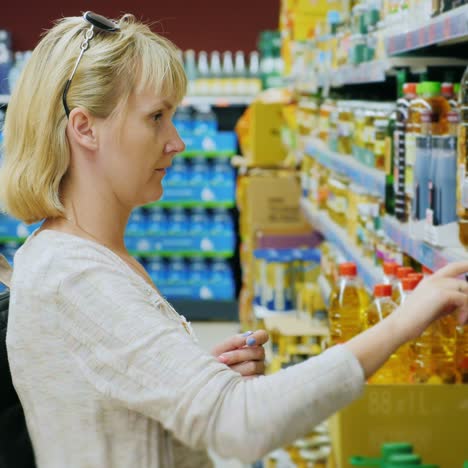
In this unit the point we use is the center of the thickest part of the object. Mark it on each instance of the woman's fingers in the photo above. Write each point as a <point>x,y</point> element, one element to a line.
<point>451,270</point>
<point>256,353</point>
<point>250,338</point>
<point>249,368</point>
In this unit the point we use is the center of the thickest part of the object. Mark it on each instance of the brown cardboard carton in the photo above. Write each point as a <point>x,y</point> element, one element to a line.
<point>434,418</point>
<point>273,203</point>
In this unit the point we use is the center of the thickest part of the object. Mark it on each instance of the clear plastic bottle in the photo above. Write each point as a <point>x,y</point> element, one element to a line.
<point>348,302</point>
<point>203,74</point>
<point>463,158</point>
<point>240,73</point>
<point>444,338</point>
<point>255,83</point>
<point>216,85</point>
<point>382,307</point>
<point>462,353</point>
<point>191,71</point>
<point>390,274</point>
<point>399,150</point>
<point>228,74</point>
<point>402,272</point>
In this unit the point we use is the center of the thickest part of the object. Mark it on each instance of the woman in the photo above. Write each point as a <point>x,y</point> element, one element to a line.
<point>108,373</point>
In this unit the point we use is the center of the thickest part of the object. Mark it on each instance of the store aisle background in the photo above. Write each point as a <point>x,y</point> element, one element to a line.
<point>209,334</point>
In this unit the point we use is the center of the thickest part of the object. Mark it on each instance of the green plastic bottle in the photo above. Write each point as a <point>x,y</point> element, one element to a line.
<point>387,451</point>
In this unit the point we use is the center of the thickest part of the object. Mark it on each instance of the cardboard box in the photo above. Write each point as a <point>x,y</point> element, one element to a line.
<point>273,203</point>
<point>260,137</point>
<point>434,418</point>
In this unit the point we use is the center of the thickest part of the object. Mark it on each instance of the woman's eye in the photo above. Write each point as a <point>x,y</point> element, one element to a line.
<point>157,117</point>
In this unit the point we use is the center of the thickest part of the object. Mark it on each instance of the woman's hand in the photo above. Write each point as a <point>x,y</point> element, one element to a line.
<point>244,353</point>
<point>438,295</point>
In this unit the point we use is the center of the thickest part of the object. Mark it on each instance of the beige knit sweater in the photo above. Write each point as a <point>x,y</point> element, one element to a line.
<point>109,374</point>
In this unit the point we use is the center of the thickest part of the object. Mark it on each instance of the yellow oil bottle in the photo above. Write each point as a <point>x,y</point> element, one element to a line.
<point>462,353</point>
<point>382,307</point>
<point>348,300</point>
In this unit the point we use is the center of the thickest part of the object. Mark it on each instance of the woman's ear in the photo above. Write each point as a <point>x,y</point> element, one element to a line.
<point>81,129</point>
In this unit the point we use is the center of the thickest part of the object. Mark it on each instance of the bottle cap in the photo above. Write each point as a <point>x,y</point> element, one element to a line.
<point>403,272</point>
<point>383,290</point>
<point>417,276</point>
<point>426,270</point>
<point>410,89</point>
<point>390,268</point>
<point>348,269</point>
<point>403,460</point>
<point>393,448</point>
<point>409,283</point>
<point>431,88</point>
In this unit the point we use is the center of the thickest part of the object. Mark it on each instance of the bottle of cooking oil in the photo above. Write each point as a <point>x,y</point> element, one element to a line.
<point>390,271</point>
<point>463,157</point>
<point>462,353</point>
<point>382,307</point>
<point>402,272</point>
<point>348,300</point>
<point>409,284</point>
<point>444,338</point>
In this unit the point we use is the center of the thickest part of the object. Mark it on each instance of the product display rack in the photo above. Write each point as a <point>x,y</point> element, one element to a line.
<point>217,101</point>
<point>448,28</point>
<point>335,234</point>
<point>371,179</point>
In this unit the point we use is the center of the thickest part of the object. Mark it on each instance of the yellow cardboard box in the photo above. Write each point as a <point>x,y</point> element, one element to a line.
<point>434,418</point>
<point>318,7</point>
<point>259,132</point>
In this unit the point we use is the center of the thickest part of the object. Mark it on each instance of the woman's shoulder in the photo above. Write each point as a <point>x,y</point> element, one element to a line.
<point>52,254</point>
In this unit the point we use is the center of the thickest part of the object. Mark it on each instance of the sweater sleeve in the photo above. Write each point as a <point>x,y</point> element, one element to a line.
<point>134,353</point>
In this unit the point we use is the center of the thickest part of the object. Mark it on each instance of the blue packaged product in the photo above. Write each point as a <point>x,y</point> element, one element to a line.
<point>178,222</point>
<point>279,281</point>
<point>157,270</point>
<point>6,61</point>
<point>178,175</point>
<point>205,121</point>
<point>177,271</point>
<point>136,223</point>
<point>199,272</point>
<point>260,274</point>
<point>200,222</point>
<point>222,280</point>
<point>200,173</point>
<point>157,222</point>
<point>183,121</point>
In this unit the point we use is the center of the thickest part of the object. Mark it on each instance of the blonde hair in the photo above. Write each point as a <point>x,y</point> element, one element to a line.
<point>36,149</point>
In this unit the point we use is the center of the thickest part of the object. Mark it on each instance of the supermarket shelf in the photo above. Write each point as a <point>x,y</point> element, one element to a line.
<point>447,28</point>
<point>206,154</point>
<point>186,254</point>
<point>12,239</point>
<point>428,255</point>
<point>4,99</point>
<point>325,289</point>
<point>219,101</point>
<point>191,204</point>
<point>372,179</point>
<point>289,323</point>
<point>204,310</point>
<point>320,220</point>
<point>377,70</point>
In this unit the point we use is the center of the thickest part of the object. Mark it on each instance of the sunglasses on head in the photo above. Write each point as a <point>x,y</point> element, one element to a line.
<point>99,23</point>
